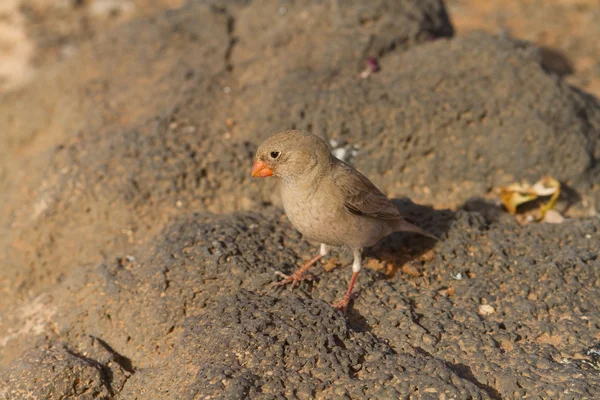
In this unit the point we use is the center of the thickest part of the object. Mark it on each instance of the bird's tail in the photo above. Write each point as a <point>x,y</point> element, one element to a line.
<point>403,225</point>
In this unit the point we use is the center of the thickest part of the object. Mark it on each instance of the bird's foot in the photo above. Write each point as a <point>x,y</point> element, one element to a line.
<point>294,278</point>
<point>342,305</point>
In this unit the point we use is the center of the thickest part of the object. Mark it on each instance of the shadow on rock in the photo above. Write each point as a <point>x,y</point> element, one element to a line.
<point>491,211</point>
<point>555,61</point>
<point>568,198</point>
<point>464,371</point>
<point>400,248</point>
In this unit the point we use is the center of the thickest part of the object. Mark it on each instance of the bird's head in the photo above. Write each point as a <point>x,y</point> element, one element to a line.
<point>290,155</point>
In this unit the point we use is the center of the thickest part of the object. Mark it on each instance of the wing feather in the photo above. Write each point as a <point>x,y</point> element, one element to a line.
<point>361,197</point>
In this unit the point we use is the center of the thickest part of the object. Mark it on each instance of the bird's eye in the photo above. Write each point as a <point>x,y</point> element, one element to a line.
<point>275,155</point>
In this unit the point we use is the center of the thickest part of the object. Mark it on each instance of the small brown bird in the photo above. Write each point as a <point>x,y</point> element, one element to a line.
<point>327,200</point>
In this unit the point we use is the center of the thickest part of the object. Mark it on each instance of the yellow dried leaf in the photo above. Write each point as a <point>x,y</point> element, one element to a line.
<point>512,199</point>
<point>549,183</point>
<point>519,193</point>
<point>546,186</point>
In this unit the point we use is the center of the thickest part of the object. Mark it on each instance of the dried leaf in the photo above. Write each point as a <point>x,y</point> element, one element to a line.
<point>512,198</point>
<point>549,183</point>
<point>519,193</point>
<point>547,186</point>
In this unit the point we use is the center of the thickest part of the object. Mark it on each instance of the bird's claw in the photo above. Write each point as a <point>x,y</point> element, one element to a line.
<point>294,278</point>
<point>342,305</point>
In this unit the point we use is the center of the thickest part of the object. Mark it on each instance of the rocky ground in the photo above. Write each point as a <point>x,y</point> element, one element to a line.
<point>564,29</point>
<point>137,256</point>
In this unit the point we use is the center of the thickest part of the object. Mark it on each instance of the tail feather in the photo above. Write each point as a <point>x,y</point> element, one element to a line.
<point>403,225</point>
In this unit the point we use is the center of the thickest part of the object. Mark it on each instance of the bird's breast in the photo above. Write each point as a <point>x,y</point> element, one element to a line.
<point>315,215</point>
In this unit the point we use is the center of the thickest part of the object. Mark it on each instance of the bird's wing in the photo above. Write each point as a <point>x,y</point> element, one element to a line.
<point>361,197</point>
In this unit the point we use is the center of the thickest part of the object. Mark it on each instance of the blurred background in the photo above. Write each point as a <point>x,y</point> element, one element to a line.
<point>34,33</point>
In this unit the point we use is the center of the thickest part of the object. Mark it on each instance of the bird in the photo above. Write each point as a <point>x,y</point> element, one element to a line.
<point>328,201</point>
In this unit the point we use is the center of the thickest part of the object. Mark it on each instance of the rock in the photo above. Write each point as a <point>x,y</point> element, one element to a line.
<point>448,119</point>
<point>251,346</point>
<point>111,263</point>
<point>58,372</point>
<point>192,311</point>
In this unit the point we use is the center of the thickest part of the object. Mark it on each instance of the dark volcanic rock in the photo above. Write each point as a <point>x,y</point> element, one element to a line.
<point>104,160</point>
<point>249,346</point>
<point>483,115</point>
<point>197,316</point>
<point>58,372</point>
<point>448,119</point>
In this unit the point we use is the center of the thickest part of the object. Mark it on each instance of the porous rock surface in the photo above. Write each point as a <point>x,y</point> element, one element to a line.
<point>193,314</point>
<point>119,282</point>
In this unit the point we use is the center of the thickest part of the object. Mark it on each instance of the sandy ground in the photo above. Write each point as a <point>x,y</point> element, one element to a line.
<point>34,33</point>
<point>568,28</point>
<point>16,48</point>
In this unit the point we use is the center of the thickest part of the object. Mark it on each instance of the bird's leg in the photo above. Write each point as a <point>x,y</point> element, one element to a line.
<point>298,275</point>
<point>342,305</point>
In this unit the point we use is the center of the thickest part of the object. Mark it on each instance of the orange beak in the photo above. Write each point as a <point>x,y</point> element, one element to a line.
<point>260,169</point>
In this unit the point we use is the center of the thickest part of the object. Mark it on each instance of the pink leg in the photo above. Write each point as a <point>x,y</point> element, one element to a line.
<point>342,305</point>
<point>298,275</point>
